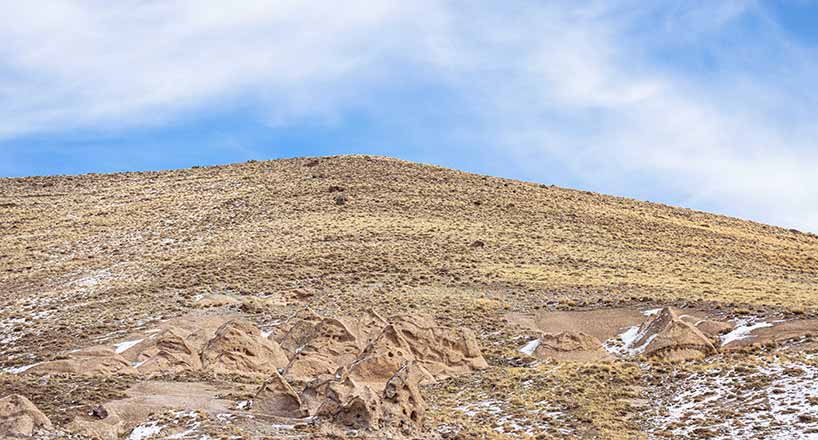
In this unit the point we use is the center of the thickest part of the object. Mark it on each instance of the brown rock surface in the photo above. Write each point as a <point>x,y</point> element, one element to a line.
<point>571,346</point>
<point>91,362</point>
<point>172,352</point>
<point>239,348</point>
<point>19,418</point>
<point>276,397</point>
<point>344,401</point>
<point>668,337</point>
<point>331,344</point>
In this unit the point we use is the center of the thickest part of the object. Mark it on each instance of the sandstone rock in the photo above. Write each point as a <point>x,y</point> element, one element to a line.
<point>403,404</point>
<point>19,418</point>
<point>254,304</point>
<point>668,337</point>
<point>343,401</point>
<point>276,397</point>
<point>442,351</point>
<point>171,353</point>
<point>438,352</point>
<point>571,346</point>
<point>331,344</point>
<point>297,331</point>
<point>713,329</point>
<point>383,357</point>
<point>238,347</point>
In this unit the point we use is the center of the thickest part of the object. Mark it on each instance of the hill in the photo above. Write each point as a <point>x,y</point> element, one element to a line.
<point>87,258</point>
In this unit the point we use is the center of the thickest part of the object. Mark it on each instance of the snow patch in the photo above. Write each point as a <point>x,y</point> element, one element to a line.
<point>530,347</point>
<point>124,346</point>
<point>624,344</point>
<point>18,370</point>
<point>145,431</point>
<point>742,332</point>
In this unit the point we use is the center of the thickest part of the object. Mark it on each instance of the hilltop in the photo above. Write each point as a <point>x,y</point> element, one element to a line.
<point>92,258</point>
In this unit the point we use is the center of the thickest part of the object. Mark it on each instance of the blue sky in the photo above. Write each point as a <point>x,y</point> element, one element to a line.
<point>709,105</point>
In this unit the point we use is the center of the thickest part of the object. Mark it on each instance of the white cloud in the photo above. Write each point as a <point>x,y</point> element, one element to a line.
<point>577,82</point>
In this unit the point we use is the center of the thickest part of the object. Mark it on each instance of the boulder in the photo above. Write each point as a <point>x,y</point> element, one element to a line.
<point>19,418</point>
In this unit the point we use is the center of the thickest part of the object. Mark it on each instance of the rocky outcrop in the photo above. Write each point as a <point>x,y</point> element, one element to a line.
<point>402,400</point>
<point>570,346</point>
<point>276,397</point>
<point>362,372</point>
<point>438,352</point>
<point>331,343</point>
<point>109,428</point>
<point>173,352</point>
<point>19,418</point>
<point>668,337</point>
<point>395,403</point>
<point>238,347</point>
<point>91,362</point>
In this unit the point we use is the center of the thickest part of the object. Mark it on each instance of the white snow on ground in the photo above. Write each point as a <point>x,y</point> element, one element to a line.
<point>652,312</point>
<point>145,431</point>
<point>18,370</point>
<point>742,332</point>
<point>623,345</point>
<point>777,400</point>
<point>124,346</point>
<point>6,327</point>
<point>530,347</point>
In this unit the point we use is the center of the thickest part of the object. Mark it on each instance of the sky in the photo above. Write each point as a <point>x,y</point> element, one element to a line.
<point>702,104</point>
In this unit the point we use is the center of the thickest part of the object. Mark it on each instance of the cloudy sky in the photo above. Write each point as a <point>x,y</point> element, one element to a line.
<point>709,105</point>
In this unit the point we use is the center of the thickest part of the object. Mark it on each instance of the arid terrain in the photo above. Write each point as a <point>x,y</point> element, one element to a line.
<point>370,297</point>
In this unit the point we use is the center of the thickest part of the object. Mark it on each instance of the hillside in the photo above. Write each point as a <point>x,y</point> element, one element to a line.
<point>88,258</point>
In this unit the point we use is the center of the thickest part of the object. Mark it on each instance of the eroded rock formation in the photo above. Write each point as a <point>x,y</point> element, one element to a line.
<point>669,337</point>
<point>362,372</point>
<point>574,346</point>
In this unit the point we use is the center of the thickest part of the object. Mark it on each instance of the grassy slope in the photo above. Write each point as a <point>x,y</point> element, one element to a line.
<point>404,236</point>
